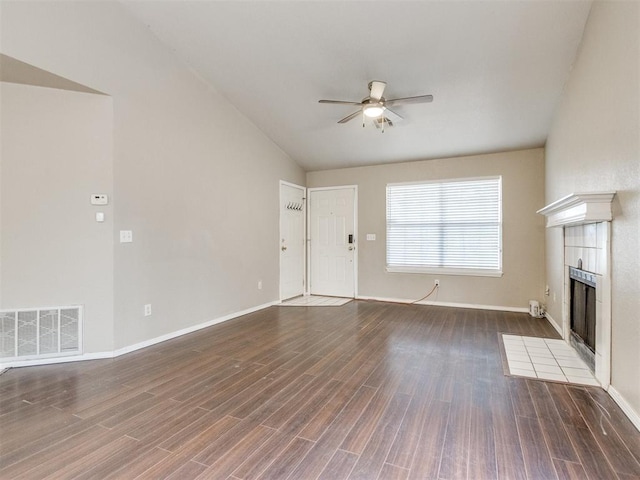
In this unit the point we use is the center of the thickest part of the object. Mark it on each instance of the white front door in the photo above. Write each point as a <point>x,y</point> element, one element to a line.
<point>292,245</point>
<point>332,236</point>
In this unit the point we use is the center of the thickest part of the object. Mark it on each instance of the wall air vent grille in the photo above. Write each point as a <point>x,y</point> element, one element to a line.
<point>28,334</point>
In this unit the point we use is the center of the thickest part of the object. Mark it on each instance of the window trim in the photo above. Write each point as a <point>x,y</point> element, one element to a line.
<point>475,272</point>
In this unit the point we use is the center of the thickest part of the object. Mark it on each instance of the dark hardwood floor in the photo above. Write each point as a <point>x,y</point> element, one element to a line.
<point>363,391</point>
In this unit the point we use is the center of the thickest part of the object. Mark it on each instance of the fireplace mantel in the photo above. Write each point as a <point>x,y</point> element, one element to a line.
<point>578,209</point>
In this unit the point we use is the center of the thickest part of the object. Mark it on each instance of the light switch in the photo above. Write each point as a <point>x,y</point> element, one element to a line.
<point>126,236</point>
<point>99,199</point>
<point>99,216</point>
<point>371,236</point>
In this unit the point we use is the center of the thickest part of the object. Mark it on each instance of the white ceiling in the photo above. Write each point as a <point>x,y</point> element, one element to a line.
<point>496,70</point>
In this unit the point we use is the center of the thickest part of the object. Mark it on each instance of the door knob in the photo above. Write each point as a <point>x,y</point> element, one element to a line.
<point>283,248</point>
<point>351,247</point>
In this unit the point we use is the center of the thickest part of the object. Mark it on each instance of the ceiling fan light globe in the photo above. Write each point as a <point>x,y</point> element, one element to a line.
<point>373,111</point>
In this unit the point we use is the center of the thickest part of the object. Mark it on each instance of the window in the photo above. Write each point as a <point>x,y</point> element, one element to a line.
<point>447,226</point>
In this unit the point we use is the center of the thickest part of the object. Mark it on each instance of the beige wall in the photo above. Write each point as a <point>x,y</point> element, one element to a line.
<point>194,180</point>
<point>594,145</point>
<point>57,151</point>
<point>523,230</point>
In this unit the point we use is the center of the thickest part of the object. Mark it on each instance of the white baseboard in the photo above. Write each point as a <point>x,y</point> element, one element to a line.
<point>194,328</point>
<point>475,306</point>
<point>625,407</point>
<point>384,299</point>
<point>54,360</point>
<point>136,346</point>
<point>553,323</point>
<point>448,304</point>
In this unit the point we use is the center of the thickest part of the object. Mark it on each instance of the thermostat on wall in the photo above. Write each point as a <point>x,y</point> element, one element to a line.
<point>99,199</point>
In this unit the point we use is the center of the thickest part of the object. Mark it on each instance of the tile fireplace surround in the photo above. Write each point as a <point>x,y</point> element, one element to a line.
<point>591,244</point>
<point>586,218</point>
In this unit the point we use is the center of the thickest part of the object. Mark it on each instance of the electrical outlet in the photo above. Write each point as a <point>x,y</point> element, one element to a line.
<point>436,282</point>
<point>147,310</point>
<point>546,290</point>
<point>126,236</point>
<point>99,199</point>
<point>259,284</point>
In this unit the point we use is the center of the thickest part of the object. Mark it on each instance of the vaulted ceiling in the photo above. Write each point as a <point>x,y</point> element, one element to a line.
<point>496,70</point>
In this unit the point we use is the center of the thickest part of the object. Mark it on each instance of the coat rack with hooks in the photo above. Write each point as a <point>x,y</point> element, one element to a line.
<point>294,206</point>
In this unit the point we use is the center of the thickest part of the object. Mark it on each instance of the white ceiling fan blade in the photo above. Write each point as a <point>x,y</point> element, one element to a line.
<point>392,116</point>
<point>377,89</point>
<point>407,100</point>
<point>350,117</point>
<point>340,102</point>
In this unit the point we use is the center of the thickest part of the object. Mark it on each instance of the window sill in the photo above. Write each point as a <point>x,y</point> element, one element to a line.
<point>446,271</point>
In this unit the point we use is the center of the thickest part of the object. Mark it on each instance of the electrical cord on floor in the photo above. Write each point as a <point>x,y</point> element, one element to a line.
<point>435,287</point>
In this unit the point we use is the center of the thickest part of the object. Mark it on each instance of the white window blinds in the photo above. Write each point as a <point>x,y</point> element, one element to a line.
<point>451,226</point>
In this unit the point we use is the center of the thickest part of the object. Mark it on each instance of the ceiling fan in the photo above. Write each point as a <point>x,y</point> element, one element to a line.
<point>376,107</point>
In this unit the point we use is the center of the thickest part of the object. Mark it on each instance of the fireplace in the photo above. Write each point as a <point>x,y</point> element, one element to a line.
<point>582,314</point>
<point>585,320</point>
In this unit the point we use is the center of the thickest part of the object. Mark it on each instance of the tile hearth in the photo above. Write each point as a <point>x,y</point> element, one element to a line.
<point>545,359</point>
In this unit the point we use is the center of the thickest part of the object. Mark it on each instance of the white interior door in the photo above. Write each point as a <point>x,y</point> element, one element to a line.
<point>332,241</point>
<point>292,244</point>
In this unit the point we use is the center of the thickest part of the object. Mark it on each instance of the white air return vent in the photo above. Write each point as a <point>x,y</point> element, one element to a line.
<point>34,333</point>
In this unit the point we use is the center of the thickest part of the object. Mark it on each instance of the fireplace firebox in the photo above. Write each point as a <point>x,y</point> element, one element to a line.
<point>583,314</point>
